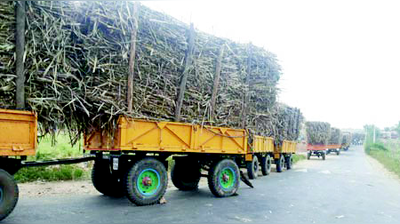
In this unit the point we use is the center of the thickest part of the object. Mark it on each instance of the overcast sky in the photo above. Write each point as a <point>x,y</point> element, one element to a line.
<point>340,59</point>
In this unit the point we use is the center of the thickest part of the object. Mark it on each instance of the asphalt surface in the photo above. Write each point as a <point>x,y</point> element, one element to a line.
<point>349,188</point>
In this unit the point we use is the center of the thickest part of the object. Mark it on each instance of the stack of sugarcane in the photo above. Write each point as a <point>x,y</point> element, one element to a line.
<point>7,48</point>
<point>281,122</point>
<point>336,137</point>
<point>346,139</point>
<point>318,133</point>
<point>78,57</point>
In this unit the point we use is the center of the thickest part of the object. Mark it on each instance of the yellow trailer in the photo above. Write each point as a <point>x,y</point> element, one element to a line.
<point>173,137</point>
<point>137,151</point>
<point>18,139</point>
<point>283,155</point>
<point>18,131</point>
<point>259,156</point>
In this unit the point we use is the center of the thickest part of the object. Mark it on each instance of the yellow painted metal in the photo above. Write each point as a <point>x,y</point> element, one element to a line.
<point>18,133</point>
<point>262,144</point>
<point>287,147</point>
<point>248,157</point>
<point>156,136</point>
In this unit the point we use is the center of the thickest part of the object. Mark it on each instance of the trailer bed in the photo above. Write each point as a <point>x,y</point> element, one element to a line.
<point>161,136</point>
<point>18,133</point>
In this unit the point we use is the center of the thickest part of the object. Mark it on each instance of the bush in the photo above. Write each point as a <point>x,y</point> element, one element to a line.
<point>375,146</point>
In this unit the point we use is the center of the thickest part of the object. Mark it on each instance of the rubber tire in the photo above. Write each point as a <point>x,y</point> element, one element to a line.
<point>289,162</point>
<point>266,165</point>
<point>213,178</point>
<point>280,164</point>
<point>105,182</point>
<point>10,194</point>
<point>309,155</point>
<point>130,180</point>
<point>183,169</point>
<point>252,168</point>
<point>323,156</point>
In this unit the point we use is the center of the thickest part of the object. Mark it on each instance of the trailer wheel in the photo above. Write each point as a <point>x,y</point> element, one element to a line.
<point>252,168</point>
<point>308,155</point>
<point>8,194</point>
<point>185,175</point>
<point>266,165</point>
<point>223,178</point>
<point>146,182</point>
<point>104,181</point>
<point>280,164</point>
<point>289,162</point>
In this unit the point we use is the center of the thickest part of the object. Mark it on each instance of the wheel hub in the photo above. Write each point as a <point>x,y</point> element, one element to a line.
<point>225,178</point>
<point>147,181</point>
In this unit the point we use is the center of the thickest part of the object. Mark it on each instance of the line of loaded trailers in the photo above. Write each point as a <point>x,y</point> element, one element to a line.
<point>132,161</point>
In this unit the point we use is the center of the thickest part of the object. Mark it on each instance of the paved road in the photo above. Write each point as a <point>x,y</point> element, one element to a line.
<point>351,188</point>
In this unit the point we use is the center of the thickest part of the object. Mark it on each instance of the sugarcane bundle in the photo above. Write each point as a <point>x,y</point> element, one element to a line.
<point>77,63</point>
<point>347,137</point>
<point>318,133</point>
<point>7,48</point>
<point>281,122</point>
<point>336,137</point>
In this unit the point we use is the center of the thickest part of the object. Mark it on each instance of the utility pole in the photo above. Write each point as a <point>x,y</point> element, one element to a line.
<point>374,135</point>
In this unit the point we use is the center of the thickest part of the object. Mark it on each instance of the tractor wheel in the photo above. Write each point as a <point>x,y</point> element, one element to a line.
<point>252,168</point>
<point>309,155</point>
<point>8,194</point>
<point>104,181</point>
<point>266,165</point>
<point>185,174</point>
<point>146,182</point>
<point>280,164</point>
<point>224,178</point>
<point>289,162</point>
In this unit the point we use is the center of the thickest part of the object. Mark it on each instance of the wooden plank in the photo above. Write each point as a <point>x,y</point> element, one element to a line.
<point>132,55</point>
<point>188,63</point>
<point>19,51</point>
<point>216,80</point>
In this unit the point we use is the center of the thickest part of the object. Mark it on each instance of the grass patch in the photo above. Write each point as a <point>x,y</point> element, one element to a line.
<point>388,154</point>
<point>51,173</point>
<point>48,151</point>
<point>298,157</point>
<point>389,161</point>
